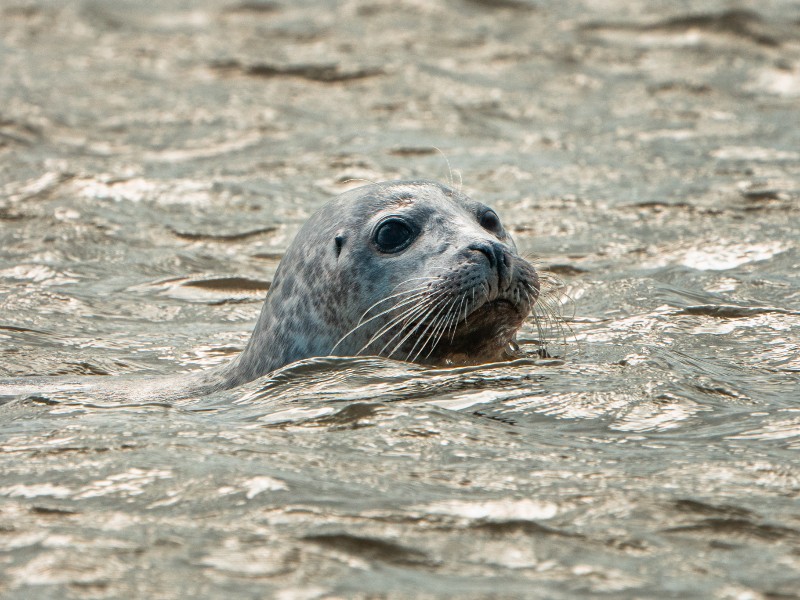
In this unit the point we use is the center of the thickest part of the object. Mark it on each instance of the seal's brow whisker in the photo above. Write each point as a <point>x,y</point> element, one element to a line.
<point>355,179</point>
<point>449,169</point>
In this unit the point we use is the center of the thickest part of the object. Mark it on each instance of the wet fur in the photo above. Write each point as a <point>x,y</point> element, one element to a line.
<point>456,295</point>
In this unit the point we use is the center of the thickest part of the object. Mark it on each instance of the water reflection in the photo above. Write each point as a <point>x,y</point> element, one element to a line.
<point>156,163</point>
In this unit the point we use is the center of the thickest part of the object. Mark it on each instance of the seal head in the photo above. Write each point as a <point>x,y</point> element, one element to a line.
<point>412,270</point>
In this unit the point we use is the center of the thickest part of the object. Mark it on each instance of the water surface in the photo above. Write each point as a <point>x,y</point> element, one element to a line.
<point>155,163</point>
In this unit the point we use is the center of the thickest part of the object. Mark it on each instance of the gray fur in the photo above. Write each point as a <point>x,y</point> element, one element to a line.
<point>332,274</point>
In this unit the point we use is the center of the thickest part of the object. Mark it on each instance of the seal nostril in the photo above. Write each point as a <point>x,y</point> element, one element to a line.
<point>487,250</point>
<point>500,260</point>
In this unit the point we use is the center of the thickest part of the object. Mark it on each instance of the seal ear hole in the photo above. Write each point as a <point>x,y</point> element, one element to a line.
<point>339,241</point>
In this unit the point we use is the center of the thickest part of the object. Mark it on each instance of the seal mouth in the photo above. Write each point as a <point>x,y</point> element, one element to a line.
<point>484,336</point>
<point>499,316</point>
<point>499,305</point>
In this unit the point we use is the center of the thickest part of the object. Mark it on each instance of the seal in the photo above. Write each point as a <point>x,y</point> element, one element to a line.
<point>412,270</point>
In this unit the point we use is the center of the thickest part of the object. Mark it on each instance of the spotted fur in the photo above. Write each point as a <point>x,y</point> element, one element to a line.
<point>457,294</point>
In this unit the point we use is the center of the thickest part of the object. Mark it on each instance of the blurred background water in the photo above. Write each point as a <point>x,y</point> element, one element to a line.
<point>156,159</point>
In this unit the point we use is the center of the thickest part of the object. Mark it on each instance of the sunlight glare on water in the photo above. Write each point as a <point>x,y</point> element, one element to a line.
<point>158,160</point>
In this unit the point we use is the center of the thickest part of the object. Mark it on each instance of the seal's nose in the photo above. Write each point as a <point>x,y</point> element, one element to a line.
<point>499,260</point>
<point>486,249</point>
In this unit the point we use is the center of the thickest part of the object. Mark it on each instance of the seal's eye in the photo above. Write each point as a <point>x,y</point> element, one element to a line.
<point>393,235</point>
<point>490,221</point>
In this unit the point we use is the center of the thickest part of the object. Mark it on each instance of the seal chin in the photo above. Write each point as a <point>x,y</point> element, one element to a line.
<point>486,335</point>
<point>498,313</point>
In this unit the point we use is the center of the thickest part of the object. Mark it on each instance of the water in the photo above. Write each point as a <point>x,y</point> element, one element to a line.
<point>156,162</point>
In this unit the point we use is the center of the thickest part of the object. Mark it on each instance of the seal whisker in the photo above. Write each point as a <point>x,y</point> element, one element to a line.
<point>455,320</point>
<point>404,316</point>
<point>415,317</point>
<point>416,279</point>
<point>361,323</point>
<point>354,179</point>
<point>419,290</point>
<point>411,329</point>
<point>449,168</point>
<point>537,320</point>
<point>354,329</point>
<point>410,300</point>
<point>452,319</point>
<point>473,302</point>
<point>434,325</point>
<point>548,309</point>
<point>546,316</point>
<point>548,306</point>
<point>424,277</point>
<point>439,331</point>
<point>417,323</point>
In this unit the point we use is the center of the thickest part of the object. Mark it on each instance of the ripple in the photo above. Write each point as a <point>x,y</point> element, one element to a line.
<point>497,510</point>
<point>754,153</point>
<point>709,257</point>
<point>777,429</point>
